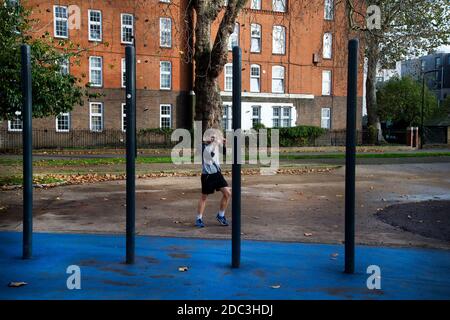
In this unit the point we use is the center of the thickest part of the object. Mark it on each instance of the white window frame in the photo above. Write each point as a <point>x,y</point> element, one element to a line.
<point>161,73</point>
<point>255,77</point>
<point>257,117</point>
<point>123,117</point>
<point>95,23</point>
<point>228,66</point>
<point>257,28</point>
<point>161,116</point>
<point>325,118</point>
<point>163,29</point>
<point>66,20</point>
<point>278,78</point>
<point>327,45</point>
<point>255,5</point>
<point>279,5</point>
<point>234,37</point>
<point>123,70</point>
<point>227,117</point>
<point>63,114</point>
<point>165,1</point>
<point>126,26</point>
<point>91,115</point>
<point>10,129</point>
<point>281,117</point>
<point>327,83</point>
<point>95,69</point>
<point>278,35</point>
<point>329,10</point>
<point>64,66</point>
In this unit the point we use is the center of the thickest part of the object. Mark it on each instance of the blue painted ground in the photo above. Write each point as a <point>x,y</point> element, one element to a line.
<point>303,271</point>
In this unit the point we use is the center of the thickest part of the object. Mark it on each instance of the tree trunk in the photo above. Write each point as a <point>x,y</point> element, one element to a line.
<point>210,59</point>
<point>373,120</point>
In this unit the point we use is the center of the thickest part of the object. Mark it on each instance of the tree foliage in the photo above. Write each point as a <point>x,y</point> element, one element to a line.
<point>53,91</point>
<point>400,101</point>
<point>407,27</point>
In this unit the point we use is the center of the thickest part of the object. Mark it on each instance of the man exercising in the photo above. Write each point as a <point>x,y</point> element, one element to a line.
<point>212,180</point>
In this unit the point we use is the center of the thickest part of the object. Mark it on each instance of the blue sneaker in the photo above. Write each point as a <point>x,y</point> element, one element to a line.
<point>222,220</point>
<point>199,223</point>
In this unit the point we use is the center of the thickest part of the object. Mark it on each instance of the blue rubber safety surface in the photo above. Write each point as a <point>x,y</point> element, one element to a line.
<point>302,271</point>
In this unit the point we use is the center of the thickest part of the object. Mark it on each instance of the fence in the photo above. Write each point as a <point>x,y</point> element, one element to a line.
<point>76,139</point>
<point>85,139</point>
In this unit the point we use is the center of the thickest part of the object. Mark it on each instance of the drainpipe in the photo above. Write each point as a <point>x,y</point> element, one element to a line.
<point>192,100</point>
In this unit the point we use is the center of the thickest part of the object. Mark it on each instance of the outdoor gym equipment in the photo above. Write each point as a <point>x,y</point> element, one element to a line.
<point>131,153</point>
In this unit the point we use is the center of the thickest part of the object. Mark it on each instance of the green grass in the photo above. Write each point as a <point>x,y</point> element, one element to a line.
<point>166,159</point>
<point>366,155</point>
<point>18,180</point>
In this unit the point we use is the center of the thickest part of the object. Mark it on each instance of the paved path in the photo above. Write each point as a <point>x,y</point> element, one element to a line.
<point>302,271</point>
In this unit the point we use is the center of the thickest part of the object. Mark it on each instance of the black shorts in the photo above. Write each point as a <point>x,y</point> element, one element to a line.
<point>211,182</point>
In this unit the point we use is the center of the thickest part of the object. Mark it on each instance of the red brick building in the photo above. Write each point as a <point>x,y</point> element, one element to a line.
<point>294,62</point>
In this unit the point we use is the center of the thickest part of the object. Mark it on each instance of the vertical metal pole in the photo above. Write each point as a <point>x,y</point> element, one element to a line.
<point>236,168</point>
<point>350,159</point>
<point>27,152</point>
<point>130,73</point>
<point>422,135</point>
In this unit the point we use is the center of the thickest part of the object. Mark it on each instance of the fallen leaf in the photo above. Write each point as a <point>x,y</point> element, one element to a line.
<point>276,286</point>
<point>163,199</point>
<point>183,269</point>
<point>16,284</point>
<point>308,234</point>
<point>409,217</point>
<point>334,256</point>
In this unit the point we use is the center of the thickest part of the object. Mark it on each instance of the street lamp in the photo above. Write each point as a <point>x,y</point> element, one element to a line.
<point>423,102</point>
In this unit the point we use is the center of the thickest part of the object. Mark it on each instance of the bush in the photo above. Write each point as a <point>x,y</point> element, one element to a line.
<point>295,136</point>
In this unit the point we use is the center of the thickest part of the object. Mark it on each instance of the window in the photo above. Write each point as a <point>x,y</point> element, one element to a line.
<point>16,123</point>
<point>423,65</point>
<point>166,116</point>
<point>327,45</point>
<point>95,71</point>
<point>63,122</point>
<point>60,22</point>
<point>278,79</point>
<point>255,78</point>
<point>127,27</point>
<point>124,117</point>
<point>256,116</point>
<point>165,72</point>
<point>233,41</point>
<point>326,118</point>
<point>95,25</point>
<point>255,4</point>
<point>255,30</point>
<point>437,62</point>
<point>228,71</point>
<point>165,1</point>
<point>279,5</point>
<point>64,66</point>
<point>226,118</point>
<point>124,76</point>
<point>326,82</point>
<point>96,116</point>
<point>165,32</point>
<point>279,40</point>
<point>281,117</point>
<point>329,10</point>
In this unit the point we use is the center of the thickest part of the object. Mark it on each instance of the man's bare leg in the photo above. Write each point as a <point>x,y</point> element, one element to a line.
<point>226,196</point>
<point>202,205</point>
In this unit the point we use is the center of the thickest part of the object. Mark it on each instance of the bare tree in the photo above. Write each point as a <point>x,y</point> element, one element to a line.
<point>209,57</point>
<point>406,27</point>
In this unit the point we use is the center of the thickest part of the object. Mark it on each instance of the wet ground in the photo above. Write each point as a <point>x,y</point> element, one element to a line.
<point>301,208</point>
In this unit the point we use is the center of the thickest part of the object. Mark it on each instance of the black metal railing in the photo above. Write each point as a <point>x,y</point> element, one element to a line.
<point>77,139</point>
<point>86,139</point>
